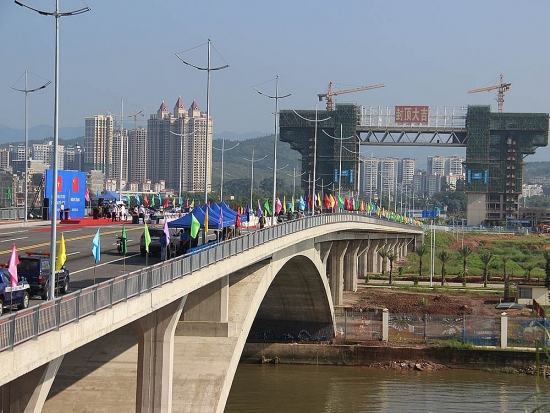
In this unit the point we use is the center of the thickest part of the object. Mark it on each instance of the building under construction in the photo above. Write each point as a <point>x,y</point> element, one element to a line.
<point>496,144</point>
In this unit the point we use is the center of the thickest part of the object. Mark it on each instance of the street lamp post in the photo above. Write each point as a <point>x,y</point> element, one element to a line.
<point>208,69</point>
<point>341,138</point>
<point>57,14</point>
<point>276,97</point>
<point>252,173</point>
<point>27,91</point>
<point>222,151</point>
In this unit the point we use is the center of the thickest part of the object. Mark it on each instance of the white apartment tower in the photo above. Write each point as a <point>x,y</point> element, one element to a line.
<point>176,142</point>
<point>369,178</point>
<point>98,144</point>
<point>137,155</point>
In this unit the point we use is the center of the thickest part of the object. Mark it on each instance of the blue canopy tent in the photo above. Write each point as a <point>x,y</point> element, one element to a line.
<point>108,196</point>
<point>214,217</point>
<point>185,221</point>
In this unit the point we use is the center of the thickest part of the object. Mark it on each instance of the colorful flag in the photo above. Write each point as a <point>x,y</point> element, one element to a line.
<point>327,202</point>
<point>160,200</point>
<point>166,202</point>
<point>248,212</point>
<point>220,219</point>
<point>195,226</point>
<point>146,200</point>
<point>61,254</point>
<point>181,202</point>
<point>278,206</point>
<point>284,204</point>
<point>192,204</point>
<point>87,195</point>
<point>340,202</point>
<point>302,204</point>
<point>12,266</point>
<point>136,196</point>
<point>96,248</point>
<point>332,201</point>
<point>238,219</point>
<point>147,237</point>
<point>310,202</point>
<point>174,202</point>
<point>153,200</point>
<point>292,206</point>
<point>123,239</point>
<point>127,197</point>
<point>267,209</point>
<point>166,232</point>
<point>187,203</point>
<point>8,193</point>
<point>319,200</point>
<point>259,213</point>
<point>206,221</point>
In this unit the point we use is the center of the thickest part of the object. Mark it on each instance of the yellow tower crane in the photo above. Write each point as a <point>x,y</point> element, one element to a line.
<point>503,87</point>
<point>329,94</point>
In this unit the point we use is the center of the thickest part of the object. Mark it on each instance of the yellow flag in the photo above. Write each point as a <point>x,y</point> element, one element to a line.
<point>284,204</point>
<point>318,199</point>
<point>61,254</point>
<point>206,220</point>
<point>192,204</point>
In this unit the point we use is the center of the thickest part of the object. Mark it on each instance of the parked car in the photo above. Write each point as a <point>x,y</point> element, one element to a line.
<point>35,267</point>
<point>154,247</point>
<point>10,296</point>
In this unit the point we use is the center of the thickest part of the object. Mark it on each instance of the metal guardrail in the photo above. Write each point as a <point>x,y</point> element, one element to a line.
<point>32,322</point>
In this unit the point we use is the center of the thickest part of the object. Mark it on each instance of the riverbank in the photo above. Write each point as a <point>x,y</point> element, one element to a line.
<point>424,358</point>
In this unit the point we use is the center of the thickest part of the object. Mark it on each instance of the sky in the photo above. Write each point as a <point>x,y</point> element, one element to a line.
<point>425,52</point>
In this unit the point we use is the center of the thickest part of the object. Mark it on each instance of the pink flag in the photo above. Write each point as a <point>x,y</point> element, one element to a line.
<point>12,266</point>
<point>87,195</point>
<point>278,206</point>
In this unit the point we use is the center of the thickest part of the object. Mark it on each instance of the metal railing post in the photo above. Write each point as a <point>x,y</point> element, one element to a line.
<point>12,331</point>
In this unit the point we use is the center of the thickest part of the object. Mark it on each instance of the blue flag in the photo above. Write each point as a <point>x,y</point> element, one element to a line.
<point>302,204</point>
<point>137,199</point>
<point>96,247</point>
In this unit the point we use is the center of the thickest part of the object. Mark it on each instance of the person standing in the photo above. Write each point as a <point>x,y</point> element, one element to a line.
<point>61,209</point>
<point>141,214</point>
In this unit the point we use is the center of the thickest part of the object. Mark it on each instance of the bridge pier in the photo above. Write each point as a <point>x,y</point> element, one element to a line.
<point>28,392</point>
<point>372,254</point>
<point>362,259</point>
<point>350,266</point>
<point>155,364</point>
<point>337,253</point>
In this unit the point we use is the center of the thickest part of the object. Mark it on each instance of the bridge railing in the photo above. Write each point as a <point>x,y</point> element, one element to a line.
<point>30,323</point>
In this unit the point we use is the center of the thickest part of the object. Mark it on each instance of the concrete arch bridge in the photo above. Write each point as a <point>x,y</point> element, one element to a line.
<point>170,336</point>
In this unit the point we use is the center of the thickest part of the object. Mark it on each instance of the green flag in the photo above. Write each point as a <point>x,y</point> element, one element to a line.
<point>195,225</point>
<point>266,207</point>
<point>147,237</point>
<point>123,240</point>
<point>8,192</point>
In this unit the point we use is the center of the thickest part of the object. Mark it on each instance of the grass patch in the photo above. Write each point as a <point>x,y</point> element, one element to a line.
<point>454,343</point>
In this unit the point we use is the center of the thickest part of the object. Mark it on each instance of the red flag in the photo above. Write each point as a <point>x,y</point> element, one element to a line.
<point>309,202</point>
<point>146,200</point>
<point>327,202</point>
<point>166,202</point>
<point>187,203</point>
<point>87,195</point>
<point>238,220</point>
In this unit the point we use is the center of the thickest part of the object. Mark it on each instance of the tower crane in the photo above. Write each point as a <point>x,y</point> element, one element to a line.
<point>329,94</point>
<point>503,87</point>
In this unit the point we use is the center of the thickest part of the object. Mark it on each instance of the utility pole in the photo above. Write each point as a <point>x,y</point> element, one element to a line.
<point>27,91</point>
<point>53,243</point>
<point>208,69</point>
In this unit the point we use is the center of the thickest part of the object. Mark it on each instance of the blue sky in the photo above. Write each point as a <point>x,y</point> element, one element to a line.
<point>425,52</point>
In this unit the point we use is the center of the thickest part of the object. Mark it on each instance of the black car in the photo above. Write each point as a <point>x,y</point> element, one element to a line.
<point>35,267</point>
<point>154,246</point>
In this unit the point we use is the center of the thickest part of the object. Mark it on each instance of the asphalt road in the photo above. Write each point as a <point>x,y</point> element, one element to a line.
<point>78,243</point>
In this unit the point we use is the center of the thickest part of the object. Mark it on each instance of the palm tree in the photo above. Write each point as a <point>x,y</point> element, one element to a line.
<point>383,252</point>
<point>486,258</point>
<point>529,267</point>
<point>444,257</point>
<point>421,251</point>
<point>464,253</point>
<point>391,256</point>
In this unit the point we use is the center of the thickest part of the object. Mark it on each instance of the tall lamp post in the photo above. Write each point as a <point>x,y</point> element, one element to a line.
<point>276,97</point>
<point>316,120</point>
<point>27,91</point>
<point>208,69</point>
<point>222,151</point>
<point>252,173</point>
<point>57,14</point>
<point>341,139</point>
<point>181,135</point>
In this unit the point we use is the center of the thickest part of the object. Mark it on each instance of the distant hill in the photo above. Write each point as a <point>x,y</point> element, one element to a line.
<point>39,133</point>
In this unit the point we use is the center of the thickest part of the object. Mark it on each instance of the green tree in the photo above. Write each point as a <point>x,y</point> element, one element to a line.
<point>506,278</point>
<point>383,252</point>
<point>528,267</point>
<point>464,253</point>
<point>486,258</point>
<point>444,256</point>
<point>546,255</point>
<point>391,256</point>
<point>420,251</point>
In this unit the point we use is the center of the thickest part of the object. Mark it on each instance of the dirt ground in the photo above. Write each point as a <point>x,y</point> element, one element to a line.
<point>368,298</point>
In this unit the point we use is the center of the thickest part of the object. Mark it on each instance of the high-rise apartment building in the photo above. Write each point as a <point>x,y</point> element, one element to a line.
<point>436,165</point>
<point>137,155</point>
<point>119,155</point>
<point>369,177</point>
<point>405,175</point>
<point>98,144</point>
<point>176,147</point>
<point>44,152</point>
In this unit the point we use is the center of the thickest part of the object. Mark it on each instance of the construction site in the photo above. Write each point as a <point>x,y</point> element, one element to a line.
<point>330,142</point>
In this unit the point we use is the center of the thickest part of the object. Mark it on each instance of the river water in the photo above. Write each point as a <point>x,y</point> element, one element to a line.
<point>285,388</point>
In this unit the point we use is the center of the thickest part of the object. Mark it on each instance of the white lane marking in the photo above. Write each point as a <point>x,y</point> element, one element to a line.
<point>70,230</point>
<point>14,239</point>
<point>14,232</point>
<point>105,263</point>
<point>73,253</point>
